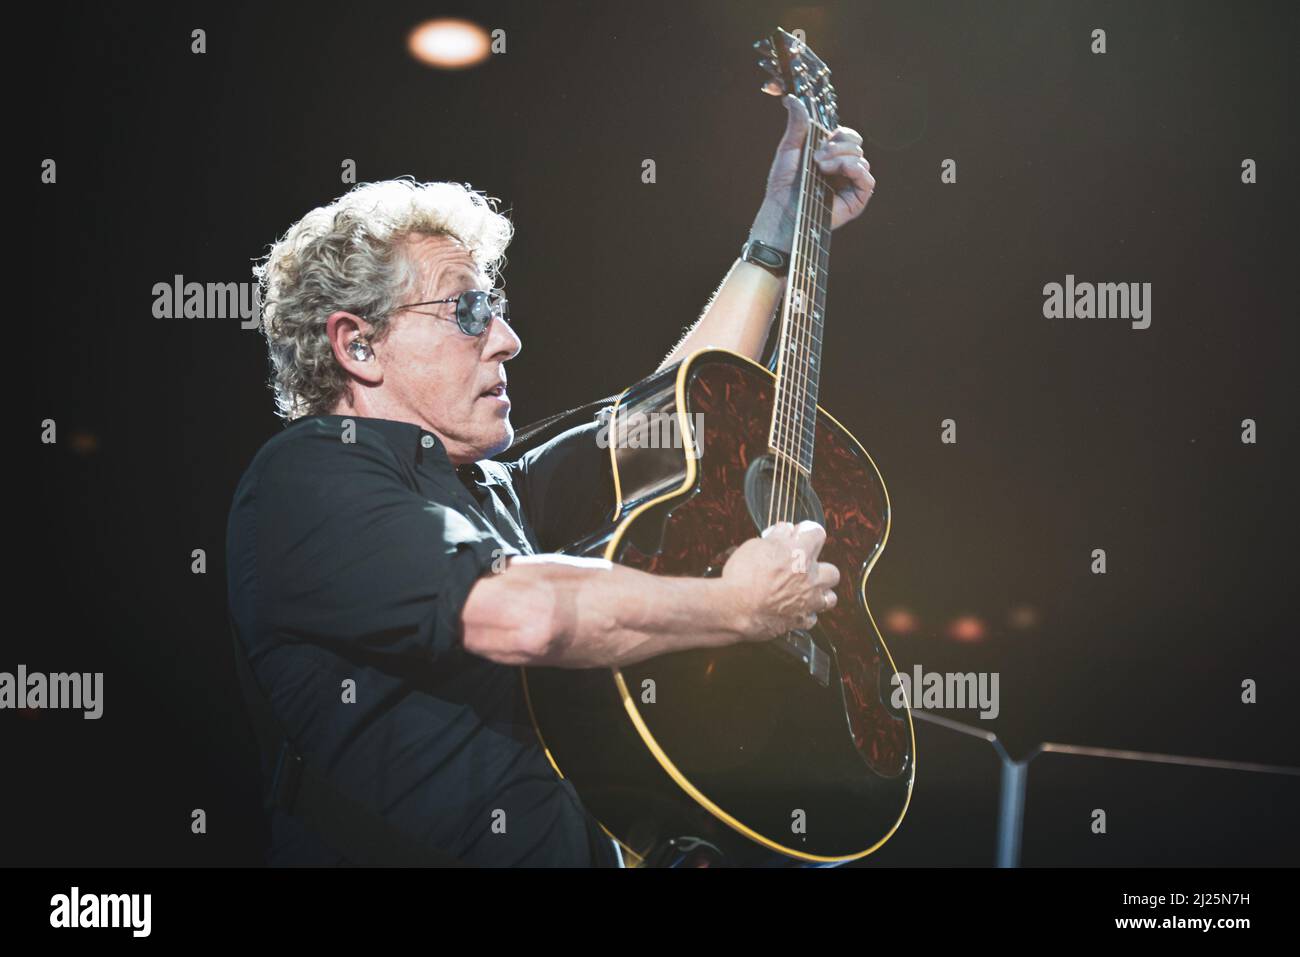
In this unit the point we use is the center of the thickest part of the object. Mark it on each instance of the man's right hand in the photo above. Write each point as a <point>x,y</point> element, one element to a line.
<point>776,582</point>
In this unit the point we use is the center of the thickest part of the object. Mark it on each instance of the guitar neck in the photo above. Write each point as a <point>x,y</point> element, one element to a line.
<point>798,373</point>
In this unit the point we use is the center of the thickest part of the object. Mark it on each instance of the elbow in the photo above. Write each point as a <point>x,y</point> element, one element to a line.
<point>522,626</point>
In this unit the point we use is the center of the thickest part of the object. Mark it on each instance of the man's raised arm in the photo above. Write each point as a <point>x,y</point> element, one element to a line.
<point>739,315</point>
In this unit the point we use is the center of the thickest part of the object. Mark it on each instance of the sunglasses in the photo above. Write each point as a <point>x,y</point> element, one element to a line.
<point>475,309</point>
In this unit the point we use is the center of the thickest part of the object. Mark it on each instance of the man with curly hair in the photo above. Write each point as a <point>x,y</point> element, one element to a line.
<point>387,576</point>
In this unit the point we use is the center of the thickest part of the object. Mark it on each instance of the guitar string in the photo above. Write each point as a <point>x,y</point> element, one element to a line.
<point>776,510</point>
<point>803,420</point>
<point>785,486</point>
<point>787,476</point>
<point>794,381</point>
<point>800,342</point>
<point>806,418</point>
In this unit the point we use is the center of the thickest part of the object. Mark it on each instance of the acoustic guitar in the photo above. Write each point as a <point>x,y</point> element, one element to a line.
<point>789,747</point>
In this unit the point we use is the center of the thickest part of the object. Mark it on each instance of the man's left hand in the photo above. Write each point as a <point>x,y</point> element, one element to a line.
<point>840,160</point>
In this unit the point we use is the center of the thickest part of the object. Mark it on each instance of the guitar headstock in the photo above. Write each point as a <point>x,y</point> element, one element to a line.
<point>796,70</point>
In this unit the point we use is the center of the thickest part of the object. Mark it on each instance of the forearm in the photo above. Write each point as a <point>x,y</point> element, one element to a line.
<point>585,613</point>
<point>737,318</point>
<point>739,315</point>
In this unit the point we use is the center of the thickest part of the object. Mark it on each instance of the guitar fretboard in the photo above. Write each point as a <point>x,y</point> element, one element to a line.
<point>798,374</point>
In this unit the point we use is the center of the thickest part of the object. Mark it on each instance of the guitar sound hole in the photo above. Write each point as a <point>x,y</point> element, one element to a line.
<point>761,477</point>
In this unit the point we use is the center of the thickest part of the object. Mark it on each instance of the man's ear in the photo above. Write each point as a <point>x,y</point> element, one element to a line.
<point>349,337</point>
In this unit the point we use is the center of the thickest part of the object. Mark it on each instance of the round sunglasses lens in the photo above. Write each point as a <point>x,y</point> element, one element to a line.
<point>473,312</point>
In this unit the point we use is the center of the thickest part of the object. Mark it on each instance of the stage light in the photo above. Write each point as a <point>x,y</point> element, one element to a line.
<point>1023,617</point>
<point>84,443</point>
<point>966,628</point>
<point>449,44</point>
<point>900,621</point>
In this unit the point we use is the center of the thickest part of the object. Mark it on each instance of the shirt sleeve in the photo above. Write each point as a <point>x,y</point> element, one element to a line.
<point>352,558</point>
<point>566,486</point>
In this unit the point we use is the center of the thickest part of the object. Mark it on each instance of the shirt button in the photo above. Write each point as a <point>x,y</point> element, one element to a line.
<point>427,441</point>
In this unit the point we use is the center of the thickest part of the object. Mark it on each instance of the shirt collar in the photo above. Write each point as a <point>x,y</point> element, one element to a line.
<point>416,445</point>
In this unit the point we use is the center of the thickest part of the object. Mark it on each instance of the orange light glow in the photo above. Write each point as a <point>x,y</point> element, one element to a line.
<point>966,628</point>
<point>449,44</point>
<point>1023,616</point>
<point>900,621</point>
<point>84,443</point>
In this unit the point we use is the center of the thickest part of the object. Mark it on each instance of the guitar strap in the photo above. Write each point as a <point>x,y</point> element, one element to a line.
<point>357,832</point>
<point>523,438</point>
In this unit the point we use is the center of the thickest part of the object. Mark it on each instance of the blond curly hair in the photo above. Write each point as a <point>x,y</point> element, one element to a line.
<point>349,256</point>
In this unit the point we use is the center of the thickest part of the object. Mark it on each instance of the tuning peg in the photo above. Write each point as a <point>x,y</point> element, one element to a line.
<point>764,46</point>
<point>773,88</point>
<point>770,65</point>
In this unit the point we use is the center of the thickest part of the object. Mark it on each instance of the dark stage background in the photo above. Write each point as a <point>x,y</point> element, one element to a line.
<point>1072,435</point>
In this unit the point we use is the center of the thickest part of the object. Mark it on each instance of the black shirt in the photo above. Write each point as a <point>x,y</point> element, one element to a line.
<point>350,561</point>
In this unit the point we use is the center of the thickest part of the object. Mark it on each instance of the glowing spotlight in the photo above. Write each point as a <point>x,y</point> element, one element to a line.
<point>966,628</point>
<point>1023,617</point>
<point>449,44</point>
<point>900,621</point>
<point>84,443</point>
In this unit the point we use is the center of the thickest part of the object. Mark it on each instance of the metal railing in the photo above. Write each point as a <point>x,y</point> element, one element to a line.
<point>1015,775</point>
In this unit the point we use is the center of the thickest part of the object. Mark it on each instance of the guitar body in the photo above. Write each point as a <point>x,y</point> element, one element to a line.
<point>789,747</point>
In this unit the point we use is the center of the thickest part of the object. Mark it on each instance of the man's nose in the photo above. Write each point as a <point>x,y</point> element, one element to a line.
<point>503,341</point>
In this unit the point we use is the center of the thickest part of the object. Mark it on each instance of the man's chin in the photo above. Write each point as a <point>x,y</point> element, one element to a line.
<point>505,435</point>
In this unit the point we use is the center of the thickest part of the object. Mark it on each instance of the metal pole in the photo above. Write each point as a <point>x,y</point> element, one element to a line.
<point>1011,811</point>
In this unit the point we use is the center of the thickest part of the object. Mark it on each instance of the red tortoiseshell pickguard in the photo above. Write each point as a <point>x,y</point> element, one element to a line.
<point>736,403</point>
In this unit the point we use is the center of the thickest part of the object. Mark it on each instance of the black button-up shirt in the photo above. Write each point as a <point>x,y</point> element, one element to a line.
<point>352,547</point>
